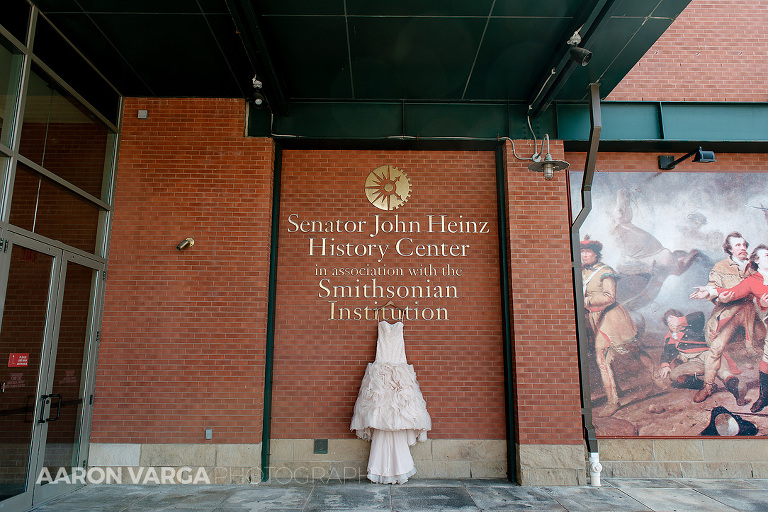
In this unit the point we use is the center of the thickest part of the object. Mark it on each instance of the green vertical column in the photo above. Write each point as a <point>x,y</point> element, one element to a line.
<point>508,328</point>
<point>266,429</point>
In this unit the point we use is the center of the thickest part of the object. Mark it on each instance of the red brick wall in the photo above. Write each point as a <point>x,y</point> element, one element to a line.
<point>319,363</point>
<point>638,162</point>
<point>547,389</point>
<point>184,332</point>
<point>716,50</point>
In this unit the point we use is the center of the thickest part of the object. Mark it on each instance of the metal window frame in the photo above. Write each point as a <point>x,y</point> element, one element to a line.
<point>104,204</point>
<point>96,260</point>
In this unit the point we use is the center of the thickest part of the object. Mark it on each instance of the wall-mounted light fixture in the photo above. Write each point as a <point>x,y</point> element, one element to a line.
<point>548,165</point>
<point>186,243</point>
<point>668,162</point>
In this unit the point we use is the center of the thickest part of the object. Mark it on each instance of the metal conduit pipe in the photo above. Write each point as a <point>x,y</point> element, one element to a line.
<point>593,464</point>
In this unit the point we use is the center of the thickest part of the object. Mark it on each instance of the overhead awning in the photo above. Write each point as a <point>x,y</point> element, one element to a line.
<point>513,51</point>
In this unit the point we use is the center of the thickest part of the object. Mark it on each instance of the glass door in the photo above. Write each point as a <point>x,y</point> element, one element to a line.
<point>47,336</point>
<point>27,272</point>
<point>64,434</point>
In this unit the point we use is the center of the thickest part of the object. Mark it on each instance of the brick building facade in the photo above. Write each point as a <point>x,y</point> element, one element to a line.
<point>243,351</point>
<point>200,343</point>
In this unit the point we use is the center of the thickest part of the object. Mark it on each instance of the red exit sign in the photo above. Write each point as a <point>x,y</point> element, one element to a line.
<point>18,360</point>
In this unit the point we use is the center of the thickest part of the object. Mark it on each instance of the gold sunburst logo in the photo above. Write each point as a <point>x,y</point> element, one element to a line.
<point>387,187</point>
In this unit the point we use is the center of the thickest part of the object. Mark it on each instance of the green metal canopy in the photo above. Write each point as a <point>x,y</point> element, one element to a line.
<point>309,51</point>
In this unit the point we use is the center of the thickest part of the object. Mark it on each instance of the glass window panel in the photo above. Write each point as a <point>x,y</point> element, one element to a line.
<point>10,78</point>
<point>59,134</point>
<point>43,206</point>
<point>15,18</point>
<point>62,58</point>
<point>23,330</point>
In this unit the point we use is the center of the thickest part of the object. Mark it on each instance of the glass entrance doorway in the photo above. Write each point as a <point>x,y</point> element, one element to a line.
<point>47,345</point>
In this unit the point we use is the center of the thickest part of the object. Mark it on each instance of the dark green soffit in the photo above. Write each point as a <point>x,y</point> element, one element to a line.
<point>626,125</point>
<point>359,50</point>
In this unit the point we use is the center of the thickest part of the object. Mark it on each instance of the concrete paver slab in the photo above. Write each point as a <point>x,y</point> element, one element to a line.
<point>432,499</point>
<point>744,500</point>
<point>681,500</point>
<point>352,497</point>
<point>98,498</point>
<point>724,483</point>
<point>266,499</point>
<point>595,499</point>
<point>175,498</point>
<point>428,495</point>
<point>646,483</point>
<point>513,498</point>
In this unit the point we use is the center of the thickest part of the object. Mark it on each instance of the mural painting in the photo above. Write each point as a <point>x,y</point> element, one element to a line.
<point>675,274</point>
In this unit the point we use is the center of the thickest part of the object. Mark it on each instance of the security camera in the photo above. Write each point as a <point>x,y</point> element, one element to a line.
<point>580,55</point>
<point>258,100</point>
<point>187,242</point>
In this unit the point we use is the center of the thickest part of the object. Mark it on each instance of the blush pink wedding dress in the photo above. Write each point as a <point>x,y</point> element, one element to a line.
<point>390,410</point>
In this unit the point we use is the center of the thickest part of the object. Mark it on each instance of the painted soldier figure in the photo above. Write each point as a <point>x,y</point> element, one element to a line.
<point>609,325</point>
<point>686,352</point>
<point>755,290</point>
<point>727,316</point>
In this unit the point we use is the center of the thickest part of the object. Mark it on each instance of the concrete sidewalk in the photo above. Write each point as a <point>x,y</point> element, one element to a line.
<point>616,495</point>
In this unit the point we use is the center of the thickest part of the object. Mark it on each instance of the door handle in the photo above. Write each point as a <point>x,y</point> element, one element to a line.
<point>58,407</point>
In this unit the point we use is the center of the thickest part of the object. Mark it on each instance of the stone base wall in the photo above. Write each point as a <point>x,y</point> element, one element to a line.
<point>222,463</point>
<point>551,464</point>
<point>348,459</point>
<point>295,460</point>
<point>684,458</point>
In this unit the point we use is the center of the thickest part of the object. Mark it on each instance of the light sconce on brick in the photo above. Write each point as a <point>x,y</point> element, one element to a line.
<point>668,162</point>
<point>548,165</point>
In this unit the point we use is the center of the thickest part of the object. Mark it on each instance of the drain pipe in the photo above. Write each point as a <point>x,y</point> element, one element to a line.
<point>593,467</point>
